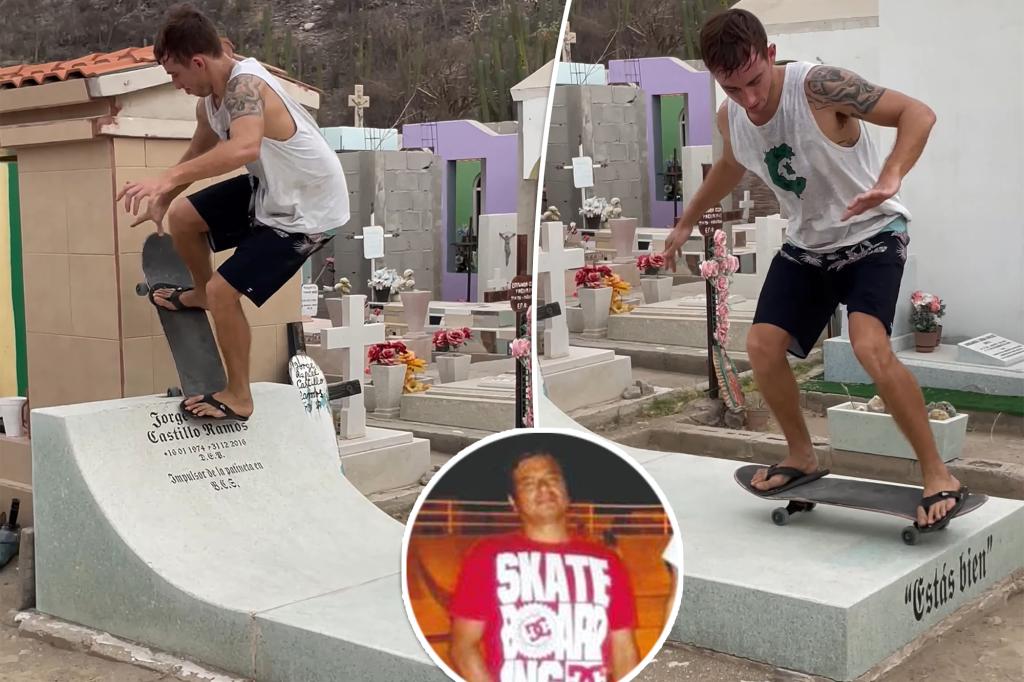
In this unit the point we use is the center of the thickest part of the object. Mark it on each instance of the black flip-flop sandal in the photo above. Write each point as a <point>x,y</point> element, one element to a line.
<point>798,478</point>
<point>210,400</point>
<point>174,298</point>
<point>928,502</point>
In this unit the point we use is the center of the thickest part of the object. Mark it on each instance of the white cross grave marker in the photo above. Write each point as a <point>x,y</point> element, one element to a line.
<point>353,337</point>
<point>570,40</point>
<point>582,168</point>
<point>553,260</point>
<point>746,205</point>
<point>359,101</point>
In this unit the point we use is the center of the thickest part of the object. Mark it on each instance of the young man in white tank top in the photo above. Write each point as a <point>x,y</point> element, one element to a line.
<point>275,216</point>
<point>798,127</point>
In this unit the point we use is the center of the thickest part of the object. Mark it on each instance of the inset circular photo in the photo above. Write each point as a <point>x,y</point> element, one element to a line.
<point>542,555</point>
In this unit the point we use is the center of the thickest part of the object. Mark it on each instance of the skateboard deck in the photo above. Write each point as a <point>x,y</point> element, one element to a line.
<point>188,332</point>
<point>884,498</point>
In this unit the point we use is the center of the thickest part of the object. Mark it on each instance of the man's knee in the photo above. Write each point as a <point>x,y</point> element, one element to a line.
<point>766,345</point>
<point>874,353</point>
<point>220,293</point>
<point>182,218</point>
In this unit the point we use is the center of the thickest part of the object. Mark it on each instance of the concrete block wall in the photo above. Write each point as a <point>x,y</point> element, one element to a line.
<point>612,122</point>
<point>403,191</point>
<point>89,336</point>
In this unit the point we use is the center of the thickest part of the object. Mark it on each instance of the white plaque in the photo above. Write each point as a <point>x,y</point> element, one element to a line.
<point>373,242</point>
<point>310,295</point>
<point>583,172</point>
<point>990,349</point>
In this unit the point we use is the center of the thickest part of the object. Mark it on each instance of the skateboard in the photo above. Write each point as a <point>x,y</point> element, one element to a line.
<point>188,332</point>
<point>885,498</point>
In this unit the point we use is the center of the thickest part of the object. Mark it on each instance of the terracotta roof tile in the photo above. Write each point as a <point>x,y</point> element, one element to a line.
<point>90,65</point>
<point>95,64</point>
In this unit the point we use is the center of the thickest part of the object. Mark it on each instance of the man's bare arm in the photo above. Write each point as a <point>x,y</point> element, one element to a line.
<point>847,93</point>
<point>244,100</point>
<point>203,140</point>
<point>465,651</point>
<point>625,656</point>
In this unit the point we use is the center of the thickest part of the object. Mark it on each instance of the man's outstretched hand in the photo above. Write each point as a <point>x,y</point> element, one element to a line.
<point>884,189</point>
<point>152,189</point>
<point>674,245</point>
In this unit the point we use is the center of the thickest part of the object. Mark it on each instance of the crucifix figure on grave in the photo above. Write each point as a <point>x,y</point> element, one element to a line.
<point>570,40</point>
<point>359,101</point>
<point>507,238</point>
<point>353,337</point>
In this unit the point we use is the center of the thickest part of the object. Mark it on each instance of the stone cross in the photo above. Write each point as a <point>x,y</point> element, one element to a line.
<point>746,205</point>
<point>353,337</point>
<point>570,40</point>
<point>553,260</point>
<point>359,101</point>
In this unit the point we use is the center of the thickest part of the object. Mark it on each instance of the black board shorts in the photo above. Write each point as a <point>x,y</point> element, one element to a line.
<point>802,289</point>
<point>265,258</point>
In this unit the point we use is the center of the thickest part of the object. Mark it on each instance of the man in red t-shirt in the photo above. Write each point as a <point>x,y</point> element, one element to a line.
<point>538,605</point>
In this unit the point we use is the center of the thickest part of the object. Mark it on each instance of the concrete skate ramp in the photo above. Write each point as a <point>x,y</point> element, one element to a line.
<point>832,593</point>
<point>243,549</point>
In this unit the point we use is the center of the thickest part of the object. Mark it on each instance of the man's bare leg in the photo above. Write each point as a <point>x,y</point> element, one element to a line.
<point>766,348</point>
<point>905,402</point>
<point>234,338</point>
<point>188,230</point>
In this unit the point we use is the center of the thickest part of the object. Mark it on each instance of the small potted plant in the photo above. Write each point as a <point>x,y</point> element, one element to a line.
<point>656,287</point>
<point>388,373</point>
<point>383,283</point>
<point>451,365</point>
<point>595,294</point>
<point>593,212</point>
<point>925,312</point>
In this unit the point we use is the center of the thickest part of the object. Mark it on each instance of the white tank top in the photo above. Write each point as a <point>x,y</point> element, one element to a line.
<point>813,177</point>
<point>301,183</point>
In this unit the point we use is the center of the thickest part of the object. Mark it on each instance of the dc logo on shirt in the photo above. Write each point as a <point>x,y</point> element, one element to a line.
<point>534,631</point>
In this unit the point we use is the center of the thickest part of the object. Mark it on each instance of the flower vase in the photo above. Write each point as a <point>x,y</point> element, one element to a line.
<point>414,310</point>
<point>381,294</point>
<point>656,288</point>
<point>623,236</point>
<point>938,339</point>
<point>596,304</point>
<point>453,366</point>
<point>388,382</point>
<point>593,222</point>
<point>925,342</point>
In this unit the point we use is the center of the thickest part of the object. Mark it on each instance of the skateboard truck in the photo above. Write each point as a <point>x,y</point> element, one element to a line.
<point>780,515</point>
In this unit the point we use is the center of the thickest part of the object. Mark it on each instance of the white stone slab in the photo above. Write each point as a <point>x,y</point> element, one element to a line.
<point>110,512</point>
<point>832,593</point>
<point>938,369</point>
<point>992,349</point>
<point>586,377</point>
<point>878,434</point>
<point>383,459</point>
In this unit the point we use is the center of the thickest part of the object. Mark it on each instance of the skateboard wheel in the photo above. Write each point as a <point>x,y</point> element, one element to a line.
<point>780,517</point>
<point>910,535</point>
<point>174,392</point>
<point>141,288</point>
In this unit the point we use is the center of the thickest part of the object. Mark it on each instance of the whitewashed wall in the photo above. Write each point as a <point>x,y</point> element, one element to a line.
<point>964,59</point>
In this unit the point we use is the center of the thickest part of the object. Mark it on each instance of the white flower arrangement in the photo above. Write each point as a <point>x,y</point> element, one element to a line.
<point>612,210</point>
<point>384,278</point>
<point>594,207</point>
<point>406,281</point>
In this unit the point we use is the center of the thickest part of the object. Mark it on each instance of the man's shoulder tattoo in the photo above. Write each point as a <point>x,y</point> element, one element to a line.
<point>243,96</point>
<point>828,86</point>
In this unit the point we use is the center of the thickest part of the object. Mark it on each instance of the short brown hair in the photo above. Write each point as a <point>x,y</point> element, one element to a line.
<point>185,33</point>
<point>729,40</point>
